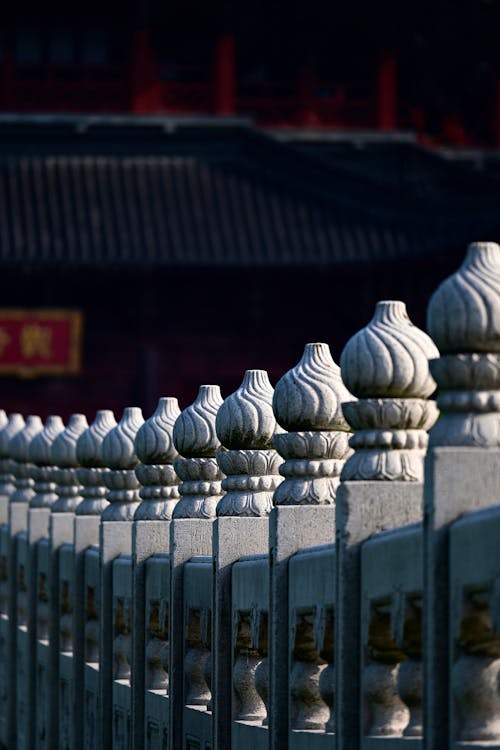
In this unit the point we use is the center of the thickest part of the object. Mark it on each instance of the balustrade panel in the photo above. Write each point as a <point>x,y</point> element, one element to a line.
<point>391,639</point>
<point>157,611</point>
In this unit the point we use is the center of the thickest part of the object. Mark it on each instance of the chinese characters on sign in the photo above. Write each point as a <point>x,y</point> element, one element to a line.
<point>40,342</point>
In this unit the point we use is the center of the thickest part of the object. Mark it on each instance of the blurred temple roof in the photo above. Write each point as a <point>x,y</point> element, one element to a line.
<point>212,192</point>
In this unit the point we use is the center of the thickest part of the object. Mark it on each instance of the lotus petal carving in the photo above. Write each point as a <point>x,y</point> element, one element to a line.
<point>89,445</point>
<point>19,444</point>
<point>154,442</point>
<point>464,312</point>
<point>41,445</point>
<point>246,419</point>
<point>63,451</point>
<point>14,424</point>
<point>309,396</point>
<point>118,448</point>
<point>194,430</point>
<point>389,357</point>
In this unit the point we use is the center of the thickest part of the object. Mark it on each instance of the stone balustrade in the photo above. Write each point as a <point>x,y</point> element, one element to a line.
<point>314,566</point>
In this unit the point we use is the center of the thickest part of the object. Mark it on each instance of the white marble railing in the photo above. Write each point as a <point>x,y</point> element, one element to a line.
<point>315,566</point>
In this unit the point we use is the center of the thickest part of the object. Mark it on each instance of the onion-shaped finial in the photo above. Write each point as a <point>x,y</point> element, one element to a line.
<point>194,430</point>
<point>89,444</point>
<point>154,442</point>
<point>246,419</point>
<point>118,446</point>
<point>464,312</point>
<point>389,358</point>
<point>64,446</point>
<point>309,396</point>
<point>41,445</point>
<point>13,425</point>
<point>20,442</point>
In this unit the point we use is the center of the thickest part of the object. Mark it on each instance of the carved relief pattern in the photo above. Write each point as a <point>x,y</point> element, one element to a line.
<point>386,365</point>
<point>63,455</point>
<point>119,456</point>
<point>196,440</point>
<point>246,427</point>
<point>464,318</point>
<point>476,670</point>
<point>42,467</point>
<point>250,678</point>
<point>155,448</point>
<point>307,402</point>
<point>157,646</point>
<point>122,638</point>
<point>392,675</point>
<point>22,468</point>
<point>309,710</point>
<point>197,659</point>
<point>91,471</point>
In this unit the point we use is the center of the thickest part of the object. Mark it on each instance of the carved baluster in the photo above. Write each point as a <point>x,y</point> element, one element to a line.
<point>155,448</point>
<point>196,440</point>
<point>22,468</point>
<point>309,711</point>
<point>91,464</point>
<point>307,403</point>
<point>386,366</point>
<point>248,658</point>
<point>325,647</point>
<point>119,455</point>
<point>121,646</point>
<point>42,467</point>
<point>259,641</point>
<point>8,428</point>
<point>157,646</point>
<point>475,675</point>
<point>196,660</point>
<point>410,676</point>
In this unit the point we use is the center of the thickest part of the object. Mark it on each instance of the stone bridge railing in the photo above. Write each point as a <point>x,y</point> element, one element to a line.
<point>302,568</point>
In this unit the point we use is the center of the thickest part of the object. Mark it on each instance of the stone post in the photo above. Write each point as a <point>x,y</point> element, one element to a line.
<point>29,701</point>
<point>462,470</point>
<point>87,521</point>
<point>61,583</point>
<point>159,493</point>
<point>307,403</point>
<point>115,539</point>
<point>17,523</point>
<point>245,426</point>
<point>196,441</point>
<point>386,366</point>
<point>8,428</point>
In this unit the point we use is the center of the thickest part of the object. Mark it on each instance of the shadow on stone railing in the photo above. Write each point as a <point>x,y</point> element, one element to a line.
<point>294,568</point>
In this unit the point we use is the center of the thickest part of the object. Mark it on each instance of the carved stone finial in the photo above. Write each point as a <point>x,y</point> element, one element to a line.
<point>119,455</point>
<point>246,425</point>
<point>22,468</point>
<point>63,453</point>
<point>91,471</point>
<point>154,445</point>
<point>40,454</point>
<point>463,317</point>
<point>307,402</point>
<point>386,365</point>
<point>195,438</point>
<point>8,428</point>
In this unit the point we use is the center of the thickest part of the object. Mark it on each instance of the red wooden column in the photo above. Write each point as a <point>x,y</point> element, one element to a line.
<point>225,75</point>
<point>307,84</point>
<point>145,80</point>
<point>8,81</point>
<point>496,123</point>
<point>386,93</point>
